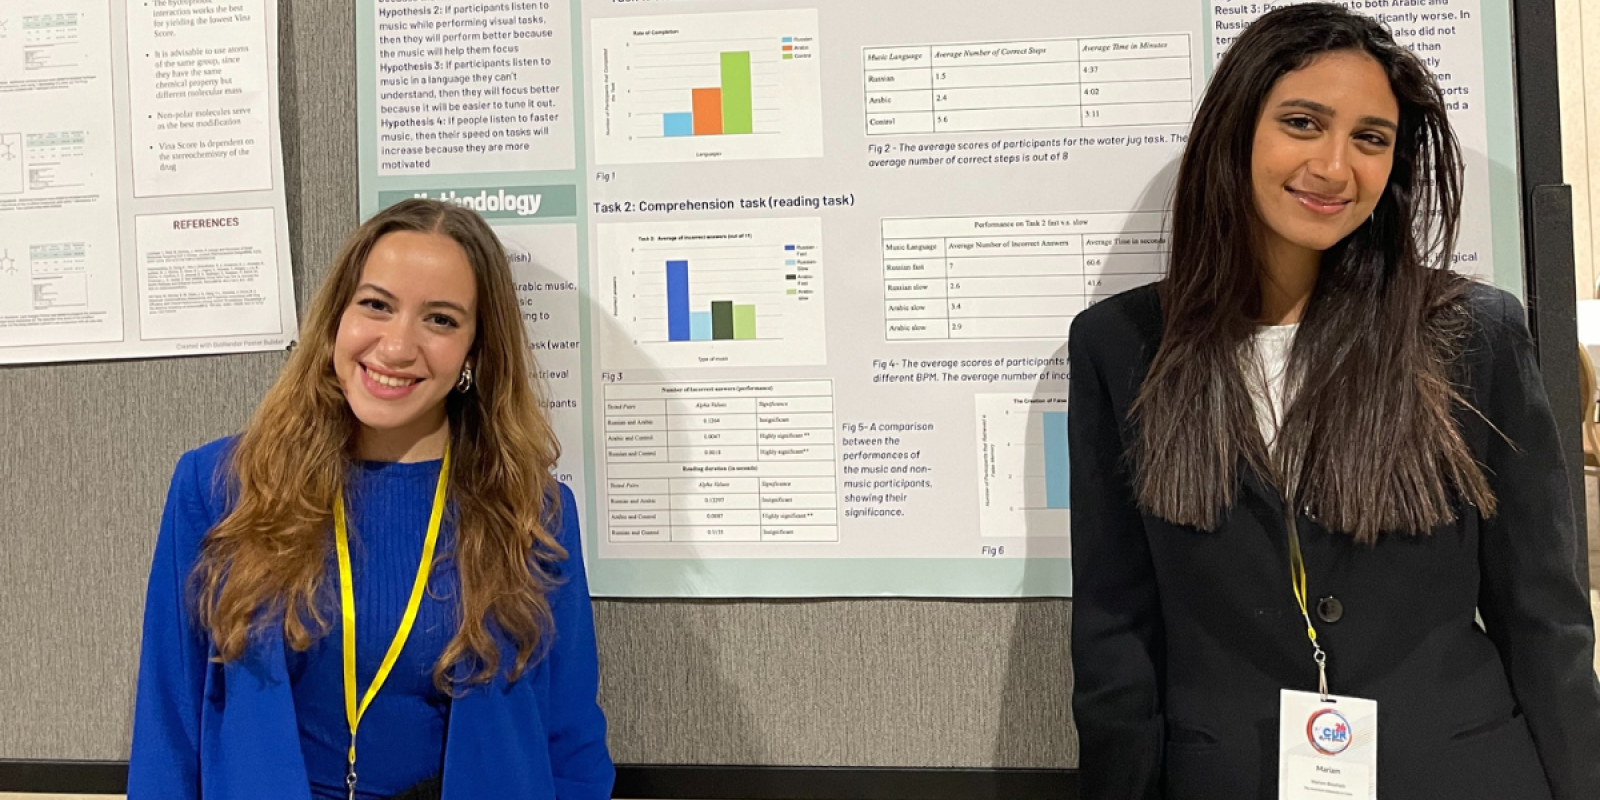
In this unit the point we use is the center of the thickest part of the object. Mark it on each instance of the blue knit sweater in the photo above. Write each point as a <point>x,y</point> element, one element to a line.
<point>401,739</point>
<point>272,724</point>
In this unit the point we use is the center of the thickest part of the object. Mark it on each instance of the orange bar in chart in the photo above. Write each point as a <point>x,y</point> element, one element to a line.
<point>707,112</point>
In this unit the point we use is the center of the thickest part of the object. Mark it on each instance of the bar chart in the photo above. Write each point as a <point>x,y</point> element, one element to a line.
<point>1026,485</point>
<point>698,87</point>
<point>728,108</point>
<point>725,321</point>
<point>703,294</point>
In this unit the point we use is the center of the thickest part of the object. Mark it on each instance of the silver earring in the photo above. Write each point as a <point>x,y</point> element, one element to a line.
<point>464,384</point>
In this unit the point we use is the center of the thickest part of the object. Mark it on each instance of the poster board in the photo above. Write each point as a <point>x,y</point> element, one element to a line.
<point>799,274</point>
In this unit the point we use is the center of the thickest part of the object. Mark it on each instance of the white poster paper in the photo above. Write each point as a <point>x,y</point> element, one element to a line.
<point>141,192</point>
<point>810,339</point>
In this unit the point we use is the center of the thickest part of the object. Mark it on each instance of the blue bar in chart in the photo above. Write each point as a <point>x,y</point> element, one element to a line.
<point>1057,470</point>
<point>700,326</point>
<point>679,124</point>
<point>678,326</point>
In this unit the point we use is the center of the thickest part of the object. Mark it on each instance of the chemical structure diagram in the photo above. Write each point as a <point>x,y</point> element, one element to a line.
<point>8,265</point>
<point>9,147</point>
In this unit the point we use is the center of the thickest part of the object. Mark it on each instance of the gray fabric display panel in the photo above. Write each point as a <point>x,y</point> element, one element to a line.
<point>87,451</point>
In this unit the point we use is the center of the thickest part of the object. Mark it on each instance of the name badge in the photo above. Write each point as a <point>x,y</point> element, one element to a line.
<point>1327,748</point>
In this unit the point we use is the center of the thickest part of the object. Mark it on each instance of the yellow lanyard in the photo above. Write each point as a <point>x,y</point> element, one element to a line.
<point>1297,576</point>
<point>347,603</point>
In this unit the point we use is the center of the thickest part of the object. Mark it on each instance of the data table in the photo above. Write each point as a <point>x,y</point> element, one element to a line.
<point>1029,85</point>
<point>721,462</point>
<point>1012,277</point>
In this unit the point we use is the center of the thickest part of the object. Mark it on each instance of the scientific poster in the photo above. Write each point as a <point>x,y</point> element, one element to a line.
<point>141,180</point>
<point>799,275</point>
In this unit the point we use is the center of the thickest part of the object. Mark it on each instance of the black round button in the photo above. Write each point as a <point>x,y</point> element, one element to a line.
<point>1330,610</point>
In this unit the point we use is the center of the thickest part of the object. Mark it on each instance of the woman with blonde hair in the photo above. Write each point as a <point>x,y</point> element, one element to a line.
<point>376,590</point>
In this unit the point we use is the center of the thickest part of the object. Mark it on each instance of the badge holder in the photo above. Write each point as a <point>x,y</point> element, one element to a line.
<point>1327,745</point>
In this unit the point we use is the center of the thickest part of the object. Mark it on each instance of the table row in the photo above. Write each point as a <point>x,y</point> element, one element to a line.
<point>965,84</point>
<point>1053,327</point>
<point>1024,226</point>
<point>677,407</point>
<point>701,422</point>
<point>706,516</point>
<point>720,453</point>
<point>1027,87</point>
<point>1016,288</point>
<point>1030,119</point>
<point>630,534</point>
<point>720,436</point>
<point>981,308</point>
<point>1022,266</point>
<point>1027,51</point>
<point>1049,244</point>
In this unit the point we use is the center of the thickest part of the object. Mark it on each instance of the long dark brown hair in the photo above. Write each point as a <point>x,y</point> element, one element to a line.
<point>264,563</point>
<point>1369,443</point>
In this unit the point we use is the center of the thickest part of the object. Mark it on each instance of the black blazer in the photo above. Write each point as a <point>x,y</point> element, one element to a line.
<point>1181,640</point>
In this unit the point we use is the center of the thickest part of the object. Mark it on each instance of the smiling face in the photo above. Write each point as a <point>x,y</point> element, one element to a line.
<point>404,337</point>
<point>1324,146</point>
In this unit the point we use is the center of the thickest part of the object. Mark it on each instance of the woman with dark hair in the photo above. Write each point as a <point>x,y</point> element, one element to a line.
<point>376,590</point>
<point>1313,459</point>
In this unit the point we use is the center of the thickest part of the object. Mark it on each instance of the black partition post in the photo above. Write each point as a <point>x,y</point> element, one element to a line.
<point>1547,238</point>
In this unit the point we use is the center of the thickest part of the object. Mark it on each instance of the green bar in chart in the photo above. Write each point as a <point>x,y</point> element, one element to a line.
<point>744,322</point>
<point>721,319</point>
<point>738,106</point>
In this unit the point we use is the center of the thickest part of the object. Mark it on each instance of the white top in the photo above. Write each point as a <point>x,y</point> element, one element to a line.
<point>1266,365</point>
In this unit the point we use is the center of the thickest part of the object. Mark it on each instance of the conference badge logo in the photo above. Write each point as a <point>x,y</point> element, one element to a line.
<point>1329,732</point>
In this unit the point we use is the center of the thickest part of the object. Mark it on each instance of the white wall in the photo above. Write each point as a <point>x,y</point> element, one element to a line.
<point>1579,50</point>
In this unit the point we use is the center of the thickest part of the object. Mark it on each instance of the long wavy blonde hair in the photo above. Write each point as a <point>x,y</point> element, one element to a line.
<point>264,563</point>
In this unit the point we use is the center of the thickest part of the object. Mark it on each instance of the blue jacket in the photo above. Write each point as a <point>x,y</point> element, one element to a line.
<point>228,731</point>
